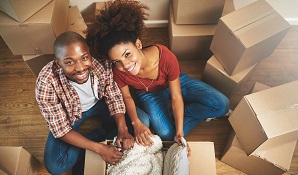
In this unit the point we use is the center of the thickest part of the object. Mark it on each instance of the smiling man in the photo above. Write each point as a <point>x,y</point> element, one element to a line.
<point>71,88</point>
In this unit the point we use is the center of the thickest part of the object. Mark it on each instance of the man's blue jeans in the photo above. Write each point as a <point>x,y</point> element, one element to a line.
<point>201,101</point>
<point>60,156</point>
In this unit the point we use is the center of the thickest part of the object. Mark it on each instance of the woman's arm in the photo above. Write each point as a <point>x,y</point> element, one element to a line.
<point>177,106</point>
<point>142,132</point>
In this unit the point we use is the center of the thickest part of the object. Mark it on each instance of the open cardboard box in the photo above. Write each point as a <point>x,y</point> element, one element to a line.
<point>37,34</point>
<point>202,161</point>
<point>246,36</point>
<point>15,160</point>
<point>273,161</point>
<point>267,118</point>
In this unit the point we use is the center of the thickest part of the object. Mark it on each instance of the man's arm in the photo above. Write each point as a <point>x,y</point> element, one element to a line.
<point>110,154</point>
<point>124,139</point>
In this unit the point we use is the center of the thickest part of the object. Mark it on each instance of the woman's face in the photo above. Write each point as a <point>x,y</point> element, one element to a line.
<point>127,57</point>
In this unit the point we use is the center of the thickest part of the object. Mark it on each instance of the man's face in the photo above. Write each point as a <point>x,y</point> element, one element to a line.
<point>76,62</point>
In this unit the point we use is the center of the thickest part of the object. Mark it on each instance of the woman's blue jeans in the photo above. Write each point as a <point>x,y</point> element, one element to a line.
<point>201,101</point>
<point>60,156</point>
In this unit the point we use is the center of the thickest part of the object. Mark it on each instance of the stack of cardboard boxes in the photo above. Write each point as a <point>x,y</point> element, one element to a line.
<point>242,39</point>
<point>265,130</point>
<point>192,25</point>
<point>30,28</point>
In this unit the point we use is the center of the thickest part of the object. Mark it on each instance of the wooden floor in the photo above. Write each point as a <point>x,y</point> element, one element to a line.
<point>21,123</point>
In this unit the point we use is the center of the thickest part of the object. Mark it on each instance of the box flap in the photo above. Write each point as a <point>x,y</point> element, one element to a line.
<point>9,158</point>
<point>276,108</point>
<point>21,10</point>
<point>75,21</point>
<point>202,160</point>
<point>280,155</point>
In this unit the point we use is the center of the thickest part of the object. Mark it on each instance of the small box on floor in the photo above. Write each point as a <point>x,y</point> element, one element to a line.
<point>37,34</point>
<point>246,36</point>
<point>202,159</point>
<point>270,114</point>
<point>197,11</point>
<point>22,10</point>
<point>190,42</point>
<point>16,160</point>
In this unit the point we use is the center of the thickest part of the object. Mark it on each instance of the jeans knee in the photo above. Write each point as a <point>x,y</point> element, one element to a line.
<point>166,135</point>
<point>55,169</point>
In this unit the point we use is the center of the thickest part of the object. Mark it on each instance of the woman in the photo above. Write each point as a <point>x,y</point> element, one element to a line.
<point>154,73</point>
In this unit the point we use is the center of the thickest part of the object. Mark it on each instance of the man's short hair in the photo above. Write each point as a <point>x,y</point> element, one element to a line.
<point>66,39</point>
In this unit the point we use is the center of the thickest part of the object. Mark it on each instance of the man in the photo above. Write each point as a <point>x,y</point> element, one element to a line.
<point>71,89</point>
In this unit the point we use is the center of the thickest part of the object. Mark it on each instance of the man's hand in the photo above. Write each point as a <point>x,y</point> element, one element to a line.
<point>111,155</point>
<point>124,140</point>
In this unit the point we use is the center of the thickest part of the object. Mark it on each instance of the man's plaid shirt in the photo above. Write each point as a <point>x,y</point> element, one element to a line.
<point>59,102</point>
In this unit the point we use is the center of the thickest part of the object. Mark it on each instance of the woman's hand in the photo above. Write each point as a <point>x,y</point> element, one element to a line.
<point>178,139</point>
<point>142,134</point>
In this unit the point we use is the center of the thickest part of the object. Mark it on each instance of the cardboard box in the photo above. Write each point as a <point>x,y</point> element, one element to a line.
<point>22,10</point>
<point>248,35</point>
<point>38,33</point>
<point>190,42</point>
<point>202,161</point>
<point>17,161</point>
<point>273,161</point>
<point>197,11</point>
<point>75,21</point>
<point>270,114</point>
<point>216,76</point>
<point>37,62</point>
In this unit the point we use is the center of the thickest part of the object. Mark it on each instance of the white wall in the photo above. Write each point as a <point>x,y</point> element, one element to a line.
<point>159,9</point>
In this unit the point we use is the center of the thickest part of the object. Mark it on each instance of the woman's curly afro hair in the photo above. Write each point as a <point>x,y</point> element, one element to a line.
<point>120,21</point>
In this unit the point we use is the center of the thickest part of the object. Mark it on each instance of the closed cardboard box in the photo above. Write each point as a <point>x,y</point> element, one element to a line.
<point>197,11</point>
<point>202,161</point>
<point>273,161</point>
<point>267,118</point>
<point>21,10</point>
<point>190,42</point>
<point>246,36</point>
<point>215,75</point>
<point>17,161</point>
<point>37,34</point>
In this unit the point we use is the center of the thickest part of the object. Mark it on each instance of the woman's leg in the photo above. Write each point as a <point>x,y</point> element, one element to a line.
<point>201,101</point>
<point>60,156</point>
<point>156,106</point>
